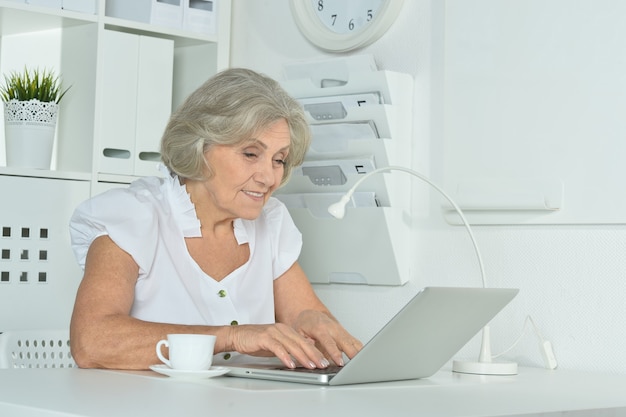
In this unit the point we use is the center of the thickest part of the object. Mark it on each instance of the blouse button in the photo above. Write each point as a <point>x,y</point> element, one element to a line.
<point>221,293</point>
<point>227,356</point>
<point>234,323</point>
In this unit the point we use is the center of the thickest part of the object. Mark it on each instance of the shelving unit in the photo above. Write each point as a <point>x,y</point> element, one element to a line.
<point>40,270</point>
<point>360,120</point>
<point>72,43</point>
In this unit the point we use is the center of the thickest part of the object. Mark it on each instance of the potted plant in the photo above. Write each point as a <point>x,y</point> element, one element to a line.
<point>31,104</point>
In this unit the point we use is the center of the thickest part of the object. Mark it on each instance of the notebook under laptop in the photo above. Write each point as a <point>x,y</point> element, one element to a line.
<point>434,325</point>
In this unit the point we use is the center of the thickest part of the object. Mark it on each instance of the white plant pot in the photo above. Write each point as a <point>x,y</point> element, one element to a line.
<point>29,128</point>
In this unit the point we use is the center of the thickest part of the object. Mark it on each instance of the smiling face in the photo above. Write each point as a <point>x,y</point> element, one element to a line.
<point>245,175</point>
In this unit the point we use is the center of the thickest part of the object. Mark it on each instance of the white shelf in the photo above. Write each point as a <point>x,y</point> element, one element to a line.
<point>17,18</point>
<point>71,43</point>
<point>40,173</point>
<point>180,36</point>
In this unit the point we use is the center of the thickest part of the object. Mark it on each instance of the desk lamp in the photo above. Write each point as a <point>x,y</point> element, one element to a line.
<point>485,365</point>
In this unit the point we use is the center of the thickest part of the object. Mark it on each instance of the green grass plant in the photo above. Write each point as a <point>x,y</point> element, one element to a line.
<point>42,85</point>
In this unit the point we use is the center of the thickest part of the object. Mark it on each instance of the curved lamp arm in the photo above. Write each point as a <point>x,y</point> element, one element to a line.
<point>484,365</point>
<point>338,209</point>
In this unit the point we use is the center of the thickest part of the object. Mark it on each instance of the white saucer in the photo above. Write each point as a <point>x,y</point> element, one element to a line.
<point>175,373</point>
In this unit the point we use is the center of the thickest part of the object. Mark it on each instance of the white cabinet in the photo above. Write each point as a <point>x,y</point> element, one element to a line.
<point>38,273</point>
<point>126,77</point>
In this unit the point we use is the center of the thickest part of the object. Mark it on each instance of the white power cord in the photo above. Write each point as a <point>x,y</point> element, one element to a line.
<point>545,346</point>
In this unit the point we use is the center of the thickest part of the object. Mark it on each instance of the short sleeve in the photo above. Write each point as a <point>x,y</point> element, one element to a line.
<point>285,238</point>
<point>128,218</point>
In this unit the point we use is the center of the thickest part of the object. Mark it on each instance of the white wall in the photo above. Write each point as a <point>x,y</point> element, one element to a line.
<point>572,278</point>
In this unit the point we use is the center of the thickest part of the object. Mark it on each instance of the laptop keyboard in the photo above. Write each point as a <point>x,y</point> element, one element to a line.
<point>332,369</point>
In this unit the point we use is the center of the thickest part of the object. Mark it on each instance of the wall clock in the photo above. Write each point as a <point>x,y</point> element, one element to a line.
<point>344,25</point>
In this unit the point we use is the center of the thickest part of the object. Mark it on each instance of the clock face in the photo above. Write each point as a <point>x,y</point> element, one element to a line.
<point>344,25</point>
<point>342,16</point>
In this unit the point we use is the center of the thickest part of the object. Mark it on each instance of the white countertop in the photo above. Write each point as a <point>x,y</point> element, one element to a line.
<point>99,393</point>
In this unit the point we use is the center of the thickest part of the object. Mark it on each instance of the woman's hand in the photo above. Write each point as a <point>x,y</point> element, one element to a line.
<point>298,307</point>
<point>328,335</point>
<point>315,339</point>
<point>278,340</point>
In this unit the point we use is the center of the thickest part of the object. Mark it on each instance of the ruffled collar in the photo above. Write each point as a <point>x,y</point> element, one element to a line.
<point>184,211</point>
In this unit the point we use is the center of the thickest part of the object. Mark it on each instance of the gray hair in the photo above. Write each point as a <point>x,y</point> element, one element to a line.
<point>229,109</point>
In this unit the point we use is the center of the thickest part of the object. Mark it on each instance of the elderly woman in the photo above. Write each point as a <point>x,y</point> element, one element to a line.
<point>205,249</point>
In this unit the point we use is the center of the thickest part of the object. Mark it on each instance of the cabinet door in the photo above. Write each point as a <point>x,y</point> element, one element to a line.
<point>38,272</point>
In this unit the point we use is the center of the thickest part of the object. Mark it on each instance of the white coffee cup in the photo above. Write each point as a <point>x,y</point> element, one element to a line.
<point>187,352</point>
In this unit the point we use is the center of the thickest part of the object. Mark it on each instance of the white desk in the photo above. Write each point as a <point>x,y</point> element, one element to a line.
<point>94,393</point>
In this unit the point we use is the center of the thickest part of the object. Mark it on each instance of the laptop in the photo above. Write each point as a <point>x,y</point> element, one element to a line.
<point>433,326</point>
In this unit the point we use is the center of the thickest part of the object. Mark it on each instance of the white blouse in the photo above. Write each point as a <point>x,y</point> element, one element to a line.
<point>150,219</point>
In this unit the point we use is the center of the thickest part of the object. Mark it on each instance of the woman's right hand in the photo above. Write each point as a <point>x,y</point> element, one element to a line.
<point>278,340</point>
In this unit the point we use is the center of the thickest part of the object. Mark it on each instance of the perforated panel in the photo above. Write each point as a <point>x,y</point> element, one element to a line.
<point>38,273</point>
<point>27,251</point>
<point>36,349</point>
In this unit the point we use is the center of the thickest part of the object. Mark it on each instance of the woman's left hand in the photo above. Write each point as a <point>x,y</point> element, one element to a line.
<point>327,334</point>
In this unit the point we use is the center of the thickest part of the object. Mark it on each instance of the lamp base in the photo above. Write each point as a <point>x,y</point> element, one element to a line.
<point>484,368</point>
